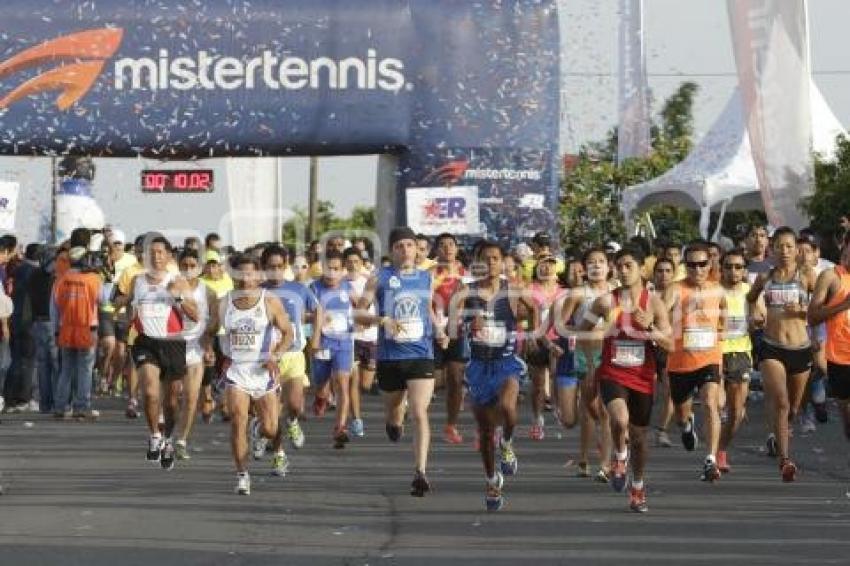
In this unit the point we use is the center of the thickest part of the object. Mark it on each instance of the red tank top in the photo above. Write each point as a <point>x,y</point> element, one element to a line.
<point>625,359</point>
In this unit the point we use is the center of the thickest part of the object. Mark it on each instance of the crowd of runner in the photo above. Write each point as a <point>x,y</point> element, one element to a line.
<point>261,335</point>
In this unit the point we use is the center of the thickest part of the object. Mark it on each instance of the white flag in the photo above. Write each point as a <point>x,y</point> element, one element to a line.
<point>770,41</point>
<point>633,137</point>
<point>8,205</point>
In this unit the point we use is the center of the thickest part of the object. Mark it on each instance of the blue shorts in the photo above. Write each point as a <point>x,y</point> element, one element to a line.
<point>566,380</point>
<point>485,378</point>
<point>322,370</point>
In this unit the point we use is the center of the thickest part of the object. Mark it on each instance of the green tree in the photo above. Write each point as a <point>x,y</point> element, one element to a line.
<point>831,199</point>
<point>591,212</point>
<point>362,218</point>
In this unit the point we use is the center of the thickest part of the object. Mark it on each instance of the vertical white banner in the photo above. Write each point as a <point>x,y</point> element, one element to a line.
<point>770,41</point>
<point>633,133</point>
<point>8,205</point>
<point>252,192</point>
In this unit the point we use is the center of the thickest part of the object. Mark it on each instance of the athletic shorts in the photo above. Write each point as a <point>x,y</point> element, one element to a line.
<point>737,367</point>
<point>105,324</point>
<point>338,361</point>
<point>393,375</point>
<point>255,381</point>
<point>581,361</point>
<point>538,358</point>
<point>565,366</point>
<point>366,354</point>
<point>838,380</point>
<point>484,379</point>
<point>293,367</point>
<point>168,355</point>
<point>660,360</point>
<point>796,360</point>
<point>639,404</point>
<point>457,351</point>
<point>684,385</point>
<point>122,329</point>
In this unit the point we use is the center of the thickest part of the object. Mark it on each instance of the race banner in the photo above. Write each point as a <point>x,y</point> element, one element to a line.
<point>434,210</point>
<point>633,137</point>
<point>8,205</point>
<point>770,41</point>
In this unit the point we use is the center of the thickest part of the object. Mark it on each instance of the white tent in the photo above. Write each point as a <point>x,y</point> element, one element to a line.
<point>719,172</point>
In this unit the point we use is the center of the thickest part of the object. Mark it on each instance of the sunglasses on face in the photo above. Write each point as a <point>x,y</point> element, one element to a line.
<point>733,266</point>
<point>696,264</point>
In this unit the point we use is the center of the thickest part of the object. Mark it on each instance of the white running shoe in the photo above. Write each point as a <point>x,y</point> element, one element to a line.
<point>243,483</point>
<point>258,442</point>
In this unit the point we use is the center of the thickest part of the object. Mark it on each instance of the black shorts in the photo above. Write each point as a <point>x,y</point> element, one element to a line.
<point>105,324</point>
<point>365,354</point>
<point>660,360</point>
<point>538,358</point>
<point>838,380</point>
<point>796,360</point>
<point>639,404</point>
<point>683,385</point>
<point>393,374</point>
<point>737,367</point>
<point>168,355</point>
<point>456,351</point>
<point>122,328</point>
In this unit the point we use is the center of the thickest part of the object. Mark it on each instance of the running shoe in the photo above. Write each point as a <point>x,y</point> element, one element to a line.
<point>537,432</point>
<point>493,498</point>
<point>154,448</point>
<point>420,485</point>
<point>807,422</point>
<point>181,450</point>
<point>662,439</point>
<point>243,483</point>
<point>341,438</point>
<point>772,446</point>
<point>788,470</point>
<point>508,461</point>
<point>258,442</point>
<point>356,428</point>
<point>583,470</point>
<point>320,405</point>
<point>710,471</point>
<point>166,456</point>
<point>637,500</point>
<point>723,462</point>
<point>821,413</point>
<point>394,432</point>
<point>280,464</point>
<point>451,435</point>
<point>295,434</point>
<point>602,476</point>
<point>618,475</point>
<point>90,415</point>
<point>689,435</point>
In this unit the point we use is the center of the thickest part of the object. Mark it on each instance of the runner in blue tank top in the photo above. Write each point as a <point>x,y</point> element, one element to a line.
<point>332,343</point>
<point>402,295</point>
<point>491,307</point>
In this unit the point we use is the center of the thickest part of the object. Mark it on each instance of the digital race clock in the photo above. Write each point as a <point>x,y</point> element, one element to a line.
<point>177,181</point>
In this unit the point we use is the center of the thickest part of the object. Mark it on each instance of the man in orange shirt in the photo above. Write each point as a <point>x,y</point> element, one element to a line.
<point>697,306</point>
<point>76,295</point>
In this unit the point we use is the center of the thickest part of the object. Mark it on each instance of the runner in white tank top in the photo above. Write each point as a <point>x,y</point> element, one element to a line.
<point>257,332</point>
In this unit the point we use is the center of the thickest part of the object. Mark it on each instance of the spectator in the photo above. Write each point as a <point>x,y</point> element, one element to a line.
<point>21,388</point>
<point>39,290</point>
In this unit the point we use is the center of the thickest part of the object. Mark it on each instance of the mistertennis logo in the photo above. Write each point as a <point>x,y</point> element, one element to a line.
<point>83,56</point>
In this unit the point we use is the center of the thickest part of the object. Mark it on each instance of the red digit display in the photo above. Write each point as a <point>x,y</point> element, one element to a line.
<point>177,181</point>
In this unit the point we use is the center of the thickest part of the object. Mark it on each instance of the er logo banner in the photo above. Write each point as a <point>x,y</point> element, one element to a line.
<point>434,210</point>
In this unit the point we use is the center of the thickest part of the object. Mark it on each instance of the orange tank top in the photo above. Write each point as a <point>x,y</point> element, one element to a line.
<point>838,326</point>
<point>695,329</point>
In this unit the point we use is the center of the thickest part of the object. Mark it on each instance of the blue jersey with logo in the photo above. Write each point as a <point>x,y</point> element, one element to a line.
<point>497,337</point>
<point>406,298</point>
<point>338,325</point>
<point>296,299</point>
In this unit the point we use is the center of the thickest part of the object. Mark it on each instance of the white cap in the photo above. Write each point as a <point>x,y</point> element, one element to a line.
<point>117,236</point>
<point>96,242</point>
<point>613,247</point>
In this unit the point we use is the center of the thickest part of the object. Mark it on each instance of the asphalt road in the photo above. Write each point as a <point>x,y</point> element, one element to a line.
<point>81,493</point>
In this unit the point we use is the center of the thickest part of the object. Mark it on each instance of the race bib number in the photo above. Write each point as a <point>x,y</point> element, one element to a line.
<point>242,342</point>
<point>410,330</point>
<point>337,323</point>
<point>736,327</point>
<point>491,334</point>
<point>154,310</point>
<point>629,353</point>
<point>698,339</point>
